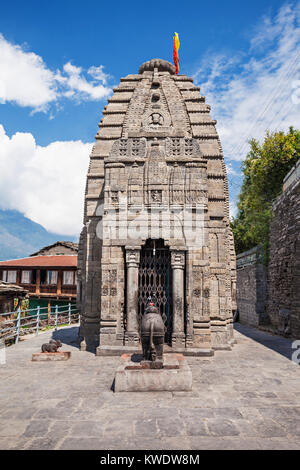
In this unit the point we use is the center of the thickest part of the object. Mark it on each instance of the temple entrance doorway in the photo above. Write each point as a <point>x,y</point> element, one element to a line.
<point>155,281</point>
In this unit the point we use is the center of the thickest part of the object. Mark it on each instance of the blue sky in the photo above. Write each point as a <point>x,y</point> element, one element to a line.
<point>120,38</point>
<point>59,61</point>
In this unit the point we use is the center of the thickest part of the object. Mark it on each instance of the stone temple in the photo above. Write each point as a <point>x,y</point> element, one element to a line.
<point>156,220</point>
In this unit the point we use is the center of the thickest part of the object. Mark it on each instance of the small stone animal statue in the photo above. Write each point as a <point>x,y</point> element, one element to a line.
<point>52,346</point>
<point>152,333</point>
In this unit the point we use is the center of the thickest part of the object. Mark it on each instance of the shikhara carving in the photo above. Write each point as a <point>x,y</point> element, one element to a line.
<point>159,185</point>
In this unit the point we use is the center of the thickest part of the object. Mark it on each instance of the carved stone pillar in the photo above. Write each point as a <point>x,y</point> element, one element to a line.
<point>132,265</point>
<point>178,265</point>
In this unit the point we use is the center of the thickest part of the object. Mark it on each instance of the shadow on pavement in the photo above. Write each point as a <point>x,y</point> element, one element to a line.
<point>277,343</point>
<point>67,336</point>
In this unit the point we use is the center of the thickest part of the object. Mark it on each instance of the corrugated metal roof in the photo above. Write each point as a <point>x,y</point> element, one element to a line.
<point>69,261</point>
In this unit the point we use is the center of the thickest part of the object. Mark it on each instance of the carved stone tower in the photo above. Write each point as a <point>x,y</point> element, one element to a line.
<point>156,219</point>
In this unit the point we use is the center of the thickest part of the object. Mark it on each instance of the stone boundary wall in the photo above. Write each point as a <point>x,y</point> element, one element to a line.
<point>271,296</point>
<point>292,176</point>
<point>284,267</point>
<point>251,287</point>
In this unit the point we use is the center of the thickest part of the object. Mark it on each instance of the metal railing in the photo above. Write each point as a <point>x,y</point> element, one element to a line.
<point>28,321</point>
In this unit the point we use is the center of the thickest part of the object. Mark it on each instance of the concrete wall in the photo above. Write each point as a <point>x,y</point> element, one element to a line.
<point>251,287</point>
<point>284,267</point>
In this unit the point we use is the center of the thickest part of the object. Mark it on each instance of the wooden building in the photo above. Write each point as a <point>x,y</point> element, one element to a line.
<point>45,276</point>
<point>8,294</point>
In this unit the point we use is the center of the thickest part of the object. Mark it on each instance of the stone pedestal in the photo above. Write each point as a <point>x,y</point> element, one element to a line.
<point>46,357</point>
<point>220,336</point>
<point>175,375</point>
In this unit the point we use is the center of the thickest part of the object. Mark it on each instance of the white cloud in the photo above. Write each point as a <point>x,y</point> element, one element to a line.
<point>47,183</point>
<point>26,80</point>
<point>98,74</point>
<point>256,90</point>
<point>78,86</point>
<point>231,170</point>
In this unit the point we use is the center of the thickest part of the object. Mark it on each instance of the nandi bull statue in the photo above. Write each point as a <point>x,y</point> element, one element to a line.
<point>52,346</point>
<point>152,334</point>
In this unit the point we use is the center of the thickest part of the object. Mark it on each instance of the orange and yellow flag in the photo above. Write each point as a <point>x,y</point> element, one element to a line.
<point>175,52</point>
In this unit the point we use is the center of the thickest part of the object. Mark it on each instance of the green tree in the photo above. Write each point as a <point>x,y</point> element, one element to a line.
<point>264,170</point>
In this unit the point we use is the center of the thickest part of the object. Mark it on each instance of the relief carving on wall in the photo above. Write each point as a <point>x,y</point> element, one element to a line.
<point>104,290</point>
<point>156,115</point>
<point>178,304</point>
<point>109,281</point>
<point>197,292</point>
<point>155,175</point>
<point>197,274</point>
<point>183,147</point>
<point>156,195</point>
<point>177,196</point>
<point>114,196</point>
<point>206,293</point>
<point>195,183</point>
<point>128,148</point>
<point>176,184</point>
<point>195,196</point>
<point>156,119</point>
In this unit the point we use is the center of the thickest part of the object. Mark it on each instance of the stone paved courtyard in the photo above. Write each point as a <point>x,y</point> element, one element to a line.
<point>247,398</point>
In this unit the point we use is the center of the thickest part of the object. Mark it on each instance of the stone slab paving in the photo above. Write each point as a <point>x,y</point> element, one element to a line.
<point>247,398</point>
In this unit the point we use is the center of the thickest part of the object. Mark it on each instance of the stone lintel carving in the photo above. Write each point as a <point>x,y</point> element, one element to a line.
<point>160,133</point>
<point>114,165</point>
<point>181,159</point>
<point>196,164</point>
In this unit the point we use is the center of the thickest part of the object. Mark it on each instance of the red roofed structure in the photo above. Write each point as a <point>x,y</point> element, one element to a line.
<point>44,276</point>
<point>43,260</point>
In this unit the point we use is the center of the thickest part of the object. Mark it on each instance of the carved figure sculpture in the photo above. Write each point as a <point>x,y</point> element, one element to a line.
<point>52,346</point>
<point>152,333</point>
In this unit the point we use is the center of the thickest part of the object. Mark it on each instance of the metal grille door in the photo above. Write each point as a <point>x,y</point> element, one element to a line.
<point>155,281</point>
